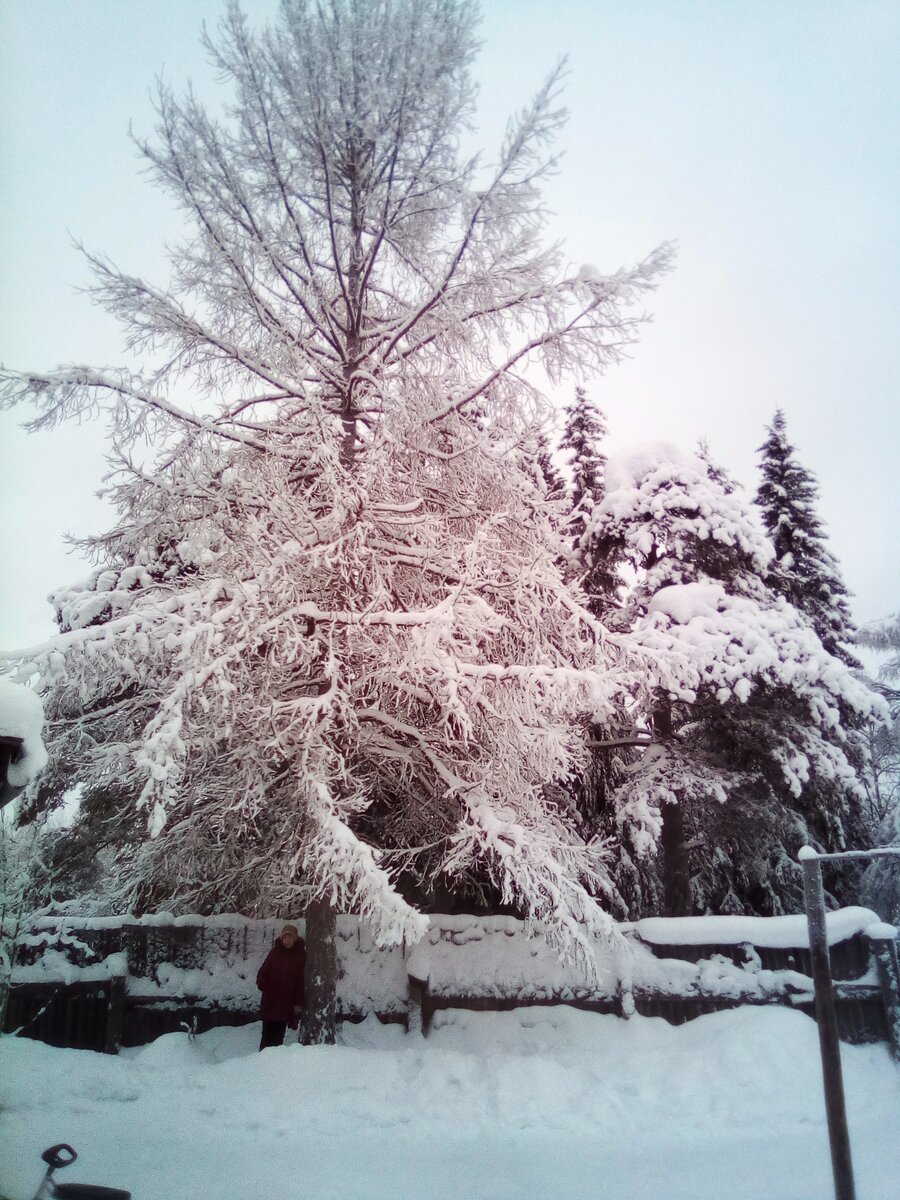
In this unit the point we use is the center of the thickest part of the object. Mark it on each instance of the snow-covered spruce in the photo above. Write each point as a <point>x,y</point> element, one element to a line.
<point>881,883</point>
<point>328,643</point>
<point>589,560</point>
<point>756,723</point>
<point>803,569</point>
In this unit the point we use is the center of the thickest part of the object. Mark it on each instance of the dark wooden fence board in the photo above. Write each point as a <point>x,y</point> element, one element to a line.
<point>73,1015</point>
<point>849,958</point>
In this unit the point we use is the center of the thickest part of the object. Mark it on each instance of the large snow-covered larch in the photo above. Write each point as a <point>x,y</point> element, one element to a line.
<point>328,649</point>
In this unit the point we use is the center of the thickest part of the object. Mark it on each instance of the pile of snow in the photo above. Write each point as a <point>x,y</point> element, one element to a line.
<point>22,717</point>
<point>493,956</point>
<point>525,1105</point>
<point>54,966</point>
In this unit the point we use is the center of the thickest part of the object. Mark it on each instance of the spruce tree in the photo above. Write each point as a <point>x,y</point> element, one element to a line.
<point>754,722</point>
<point>803,570</point>
<point>553,482</point>
<point>583,432</point>
<point>591,560</point>
<point>881,882</point>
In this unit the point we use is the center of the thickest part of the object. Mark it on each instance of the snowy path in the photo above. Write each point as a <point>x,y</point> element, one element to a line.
<point>542,1104</point>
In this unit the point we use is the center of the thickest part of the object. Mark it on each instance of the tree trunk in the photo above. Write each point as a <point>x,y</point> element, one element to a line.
<point>675,870</point>
<point>676,873</point>
<point>321,974</point>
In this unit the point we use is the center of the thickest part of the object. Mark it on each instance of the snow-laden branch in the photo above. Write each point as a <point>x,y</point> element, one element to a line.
<point>73,392</point>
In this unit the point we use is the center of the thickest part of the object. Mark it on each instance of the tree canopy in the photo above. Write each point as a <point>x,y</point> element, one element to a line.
<point>328,648</point>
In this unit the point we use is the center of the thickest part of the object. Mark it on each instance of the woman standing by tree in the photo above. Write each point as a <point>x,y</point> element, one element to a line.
<point>280,979</point>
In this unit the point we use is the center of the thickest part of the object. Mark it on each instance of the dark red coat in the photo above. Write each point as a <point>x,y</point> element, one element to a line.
<point>280,979</point>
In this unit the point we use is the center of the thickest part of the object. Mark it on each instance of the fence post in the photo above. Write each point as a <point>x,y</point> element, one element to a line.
<point>884,945</point>
<point>115,1015</point>
<point>826,1018</point>
<point>415,1017</point>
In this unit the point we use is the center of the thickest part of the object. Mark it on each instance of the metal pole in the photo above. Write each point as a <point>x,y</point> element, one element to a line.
<point>826,1017</point>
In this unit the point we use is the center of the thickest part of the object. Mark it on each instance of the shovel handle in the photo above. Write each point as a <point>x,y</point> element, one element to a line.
<point>60,1155</point>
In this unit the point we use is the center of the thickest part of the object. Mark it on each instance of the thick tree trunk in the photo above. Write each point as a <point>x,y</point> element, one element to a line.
<point>675,868</point>
<point>676,871</point>
<point>321,974</point>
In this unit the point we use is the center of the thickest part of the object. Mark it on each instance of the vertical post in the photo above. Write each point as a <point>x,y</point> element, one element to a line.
<point>321,974</point>
<point>115,1015</point>
<point>884,943</point>
<point>415,1018</point>
<point>826,1018</point>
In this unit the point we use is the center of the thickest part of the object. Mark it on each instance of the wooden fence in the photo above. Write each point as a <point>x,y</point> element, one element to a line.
<point>123,982</point>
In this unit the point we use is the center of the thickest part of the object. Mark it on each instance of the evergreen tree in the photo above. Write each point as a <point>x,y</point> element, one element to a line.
<point>753,720</point>
<point>583,432</point>
<point>884,637</point>
<point>881,882</point>
<point>553,482</point>
<point>591,560</point>
<point>328,647</point>
<point>803,570</point>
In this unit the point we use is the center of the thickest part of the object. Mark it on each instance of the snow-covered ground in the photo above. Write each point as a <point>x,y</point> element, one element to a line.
<point>536,1104</point>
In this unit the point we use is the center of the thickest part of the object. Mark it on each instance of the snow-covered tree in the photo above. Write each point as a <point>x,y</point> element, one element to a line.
<point>803,569</point>
<point>883,779</point>
<point>884,637</point>
<point>554,484</point>
<point>583,432</point>
<point>590,558</point>
<point>881,883</point>
<point>590,562</point>
<point>752,719</point>
<point>328,642</point>
<point>22,758</point>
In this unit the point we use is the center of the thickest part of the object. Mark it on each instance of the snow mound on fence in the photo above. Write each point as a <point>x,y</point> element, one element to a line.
<point>787,933</point>
<point>492,956</point>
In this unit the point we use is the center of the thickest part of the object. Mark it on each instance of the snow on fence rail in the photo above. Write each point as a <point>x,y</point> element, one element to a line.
<point>107,981</point>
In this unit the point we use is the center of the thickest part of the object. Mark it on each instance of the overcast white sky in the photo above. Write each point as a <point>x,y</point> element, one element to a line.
<point>763,136</point>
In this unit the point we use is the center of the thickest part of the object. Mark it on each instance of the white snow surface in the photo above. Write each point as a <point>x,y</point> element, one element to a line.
<point>788,932</point>
<point>493,956</point>
<point>54,967</point>
<point>629,467</point>
<point>682,602</point>
<point>22,716</point>
<point>524,1105</point>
